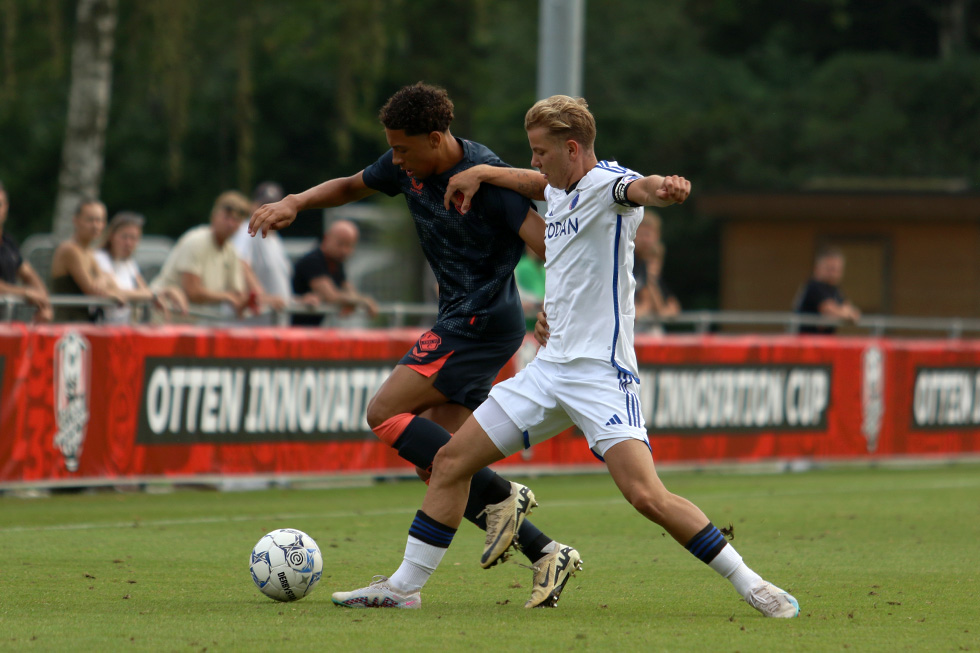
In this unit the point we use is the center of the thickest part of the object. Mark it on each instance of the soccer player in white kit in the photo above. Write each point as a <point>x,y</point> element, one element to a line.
<point>585,373</point>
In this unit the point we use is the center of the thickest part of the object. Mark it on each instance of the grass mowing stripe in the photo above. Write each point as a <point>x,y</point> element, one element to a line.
<point>903,486</point>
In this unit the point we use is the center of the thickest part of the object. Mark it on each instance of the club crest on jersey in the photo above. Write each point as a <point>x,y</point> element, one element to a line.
<point>429,341</point>
<point>561,228</point>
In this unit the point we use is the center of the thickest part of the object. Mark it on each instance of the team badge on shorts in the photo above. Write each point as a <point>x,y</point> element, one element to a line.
<point>429,341</point>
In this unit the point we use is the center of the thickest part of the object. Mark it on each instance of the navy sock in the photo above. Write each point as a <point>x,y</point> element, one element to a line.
<point>531,541</point>
<point>707,544</point>
<point>430,531</point>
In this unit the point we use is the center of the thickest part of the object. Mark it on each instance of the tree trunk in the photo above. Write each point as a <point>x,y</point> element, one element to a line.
<point>952,28</point>
<point>82,157</point>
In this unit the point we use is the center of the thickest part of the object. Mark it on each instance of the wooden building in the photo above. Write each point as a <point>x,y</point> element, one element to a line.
<point>907,253</point>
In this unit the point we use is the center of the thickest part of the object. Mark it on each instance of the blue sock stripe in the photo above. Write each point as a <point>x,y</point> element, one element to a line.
<point>430,531</point>
<point>708,539</point>
<point>706,544</point>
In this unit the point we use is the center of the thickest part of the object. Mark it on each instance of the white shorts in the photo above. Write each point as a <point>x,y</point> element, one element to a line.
<point>546,398</point>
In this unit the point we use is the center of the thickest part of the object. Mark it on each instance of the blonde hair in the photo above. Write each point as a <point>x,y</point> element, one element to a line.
<point>564,117</point>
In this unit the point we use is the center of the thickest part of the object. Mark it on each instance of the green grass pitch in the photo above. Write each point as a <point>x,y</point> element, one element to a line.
<point>881,559</point>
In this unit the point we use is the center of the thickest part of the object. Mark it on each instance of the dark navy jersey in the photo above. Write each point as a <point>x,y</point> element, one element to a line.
<point>473,256</point>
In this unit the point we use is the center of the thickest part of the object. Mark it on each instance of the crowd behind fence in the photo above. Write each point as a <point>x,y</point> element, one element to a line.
<point>402,314</point>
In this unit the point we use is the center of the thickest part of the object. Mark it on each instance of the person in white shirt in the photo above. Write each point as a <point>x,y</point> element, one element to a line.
<point>266,258</point>
<point>115,257</point>
<point>584,375</point>
<point>204,265</point>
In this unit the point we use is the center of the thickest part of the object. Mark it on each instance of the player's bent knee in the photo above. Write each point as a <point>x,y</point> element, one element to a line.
<point>377,413</point>
<point>448,466</point>
<point>651,505</point>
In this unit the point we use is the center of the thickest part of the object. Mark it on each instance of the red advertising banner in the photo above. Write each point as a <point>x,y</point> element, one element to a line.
<point>92,404</point>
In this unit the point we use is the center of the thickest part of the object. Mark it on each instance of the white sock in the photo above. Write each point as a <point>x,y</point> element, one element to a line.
<point>729,564</point>
<point>420,561</point>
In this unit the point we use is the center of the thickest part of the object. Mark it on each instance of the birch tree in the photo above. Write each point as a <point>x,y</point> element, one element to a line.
<point>82,158</point>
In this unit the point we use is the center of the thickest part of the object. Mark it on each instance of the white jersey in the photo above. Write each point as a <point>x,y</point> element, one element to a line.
<point>589,281</point>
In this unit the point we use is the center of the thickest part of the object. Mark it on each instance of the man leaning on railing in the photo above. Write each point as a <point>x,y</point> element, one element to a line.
<point>14,268</point>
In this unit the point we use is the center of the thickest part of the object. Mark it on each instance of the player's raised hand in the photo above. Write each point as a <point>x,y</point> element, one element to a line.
<point>675,189</point>
<point>275,216</point>
<point>461,189</point>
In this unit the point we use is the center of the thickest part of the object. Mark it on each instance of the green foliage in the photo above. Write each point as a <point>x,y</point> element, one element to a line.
<point>880,560</point>
<point>753,95</point>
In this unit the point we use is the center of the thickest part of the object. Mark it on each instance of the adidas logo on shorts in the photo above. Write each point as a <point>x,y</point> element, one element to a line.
<point>614,420</point>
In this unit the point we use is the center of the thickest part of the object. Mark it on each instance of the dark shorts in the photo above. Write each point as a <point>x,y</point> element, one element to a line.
<point>467,367</point>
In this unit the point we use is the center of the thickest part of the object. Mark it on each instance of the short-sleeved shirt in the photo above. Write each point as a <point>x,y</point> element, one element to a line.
<point>10,259</point>
<point>473,255</point>
<point>126,273</point>
<point>196,252</point>
<point>268,259</point>
<point>809,299</point>
<point>589,281</point>
<point>313,265</point>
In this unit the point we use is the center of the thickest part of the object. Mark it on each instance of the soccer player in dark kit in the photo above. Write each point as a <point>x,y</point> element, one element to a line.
<point>450,370</point>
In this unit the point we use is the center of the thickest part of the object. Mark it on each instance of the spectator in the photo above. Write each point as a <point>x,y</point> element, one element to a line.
<point>116,259</point>
<point>73,267</point>
<point>320,277</point>
<point>529,275</point>
<point>822,296</point>
<point>647,238</point>
<point>203,263</point>
<point>14,268</point>
<point>265,258</point>
<point>654,298</point>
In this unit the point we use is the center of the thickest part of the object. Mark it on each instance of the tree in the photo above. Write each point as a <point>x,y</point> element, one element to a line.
<point>88,110</point>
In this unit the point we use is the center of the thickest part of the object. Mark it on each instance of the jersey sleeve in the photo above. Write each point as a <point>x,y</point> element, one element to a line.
<point>505,205</point>
<point>620,188</point>
<point>382,175</point>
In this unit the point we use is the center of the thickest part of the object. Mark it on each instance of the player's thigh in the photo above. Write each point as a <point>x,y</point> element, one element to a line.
<point>631,466</point>
<point>404,391</point>
<point>528,408</point>
<point>469,451</point>
<point>449,416</point>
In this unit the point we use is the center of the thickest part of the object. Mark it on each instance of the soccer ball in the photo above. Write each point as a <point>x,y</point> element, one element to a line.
<point>286,564</point>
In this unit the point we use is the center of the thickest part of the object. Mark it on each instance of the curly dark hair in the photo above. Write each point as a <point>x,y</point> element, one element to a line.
<point>418,109</point>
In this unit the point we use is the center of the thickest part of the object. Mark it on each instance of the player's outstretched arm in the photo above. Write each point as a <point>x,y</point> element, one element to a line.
<point>659,191</point>
<point>463,185</point>
<point>334,192</point>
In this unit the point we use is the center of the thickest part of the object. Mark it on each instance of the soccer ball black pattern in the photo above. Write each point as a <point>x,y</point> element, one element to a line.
<point>286,564</point>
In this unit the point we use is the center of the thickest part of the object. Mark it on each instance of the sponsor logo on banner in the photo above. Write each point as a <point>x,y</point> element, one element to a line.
<point>190,400</point>
<point>872,395</point>
<point>735,398</point>
<point>946,397</point>
<point>72,374</point>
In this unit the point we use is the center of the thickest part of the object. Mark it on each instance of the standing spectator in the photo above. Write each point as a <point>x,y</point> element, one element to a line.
<point>116,259</point>
<point>14,268</point>
<point>203,263</point>
<point>529,275</point>
<point>647,239</point>
<point>320,277</point>
<point>73,267</point>
<point>654,297</point>
<point>265,258</point>
<point>822,296</point>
